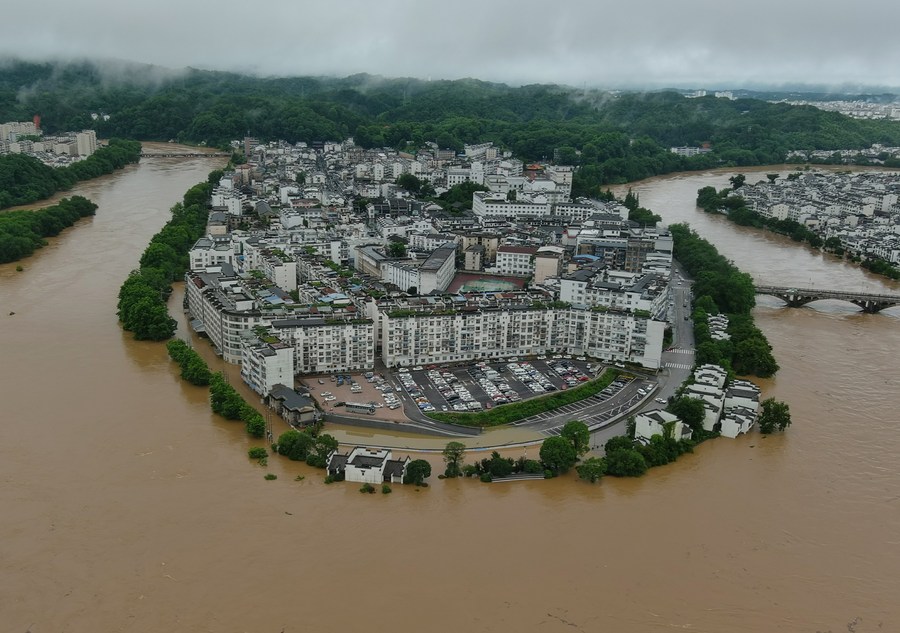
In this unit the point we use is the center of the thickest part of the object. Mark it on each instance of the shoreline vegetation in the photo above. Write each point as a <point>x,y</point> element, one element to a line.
<point>730,204</point>
<point>25,179</point>
<point>721,288</point>
<point>23,232</point>
<point>143,295</point>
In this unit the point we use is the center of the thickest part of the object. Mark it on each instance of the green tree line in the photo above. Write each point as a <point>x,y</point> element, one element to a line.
<point>142,297</point>
<point>719,287</point>
<point>613,138</point>
<point>25,179</point>
<point>193,367</point>
<point>23,232</point>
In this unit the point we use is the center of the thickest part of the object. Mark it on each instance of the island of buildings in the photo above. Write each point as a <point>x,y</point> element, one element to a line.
<point>316,262</point>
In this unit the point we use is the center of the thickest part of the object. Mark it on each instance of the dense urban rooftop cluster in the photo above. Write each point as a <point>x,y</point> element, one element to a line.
<point>856,109</point>
<point>56,151</point>
<point>859,209</point>
<point>325,259</point>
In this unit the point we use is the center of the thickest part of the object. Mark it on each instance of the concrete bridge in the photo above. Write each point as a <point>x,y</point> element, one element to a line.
<point>796,297</point>
<point>182,155</point>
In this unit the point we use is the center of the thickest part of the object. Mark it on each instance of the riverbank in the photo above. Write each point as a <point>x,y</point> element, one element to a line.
<point>26,180</point>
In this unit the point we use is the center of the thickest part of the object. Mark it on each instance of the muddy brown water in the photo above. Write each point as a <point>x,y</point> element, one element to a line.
<point>127,506</point>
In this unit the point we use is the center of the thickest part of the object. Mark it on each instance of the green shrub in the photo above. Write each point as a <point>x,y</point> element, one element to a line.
<point>385,489</point>
<point>369,488</point>
<point>257,452</point>
<point>487,478</point>
<point>270,477</point>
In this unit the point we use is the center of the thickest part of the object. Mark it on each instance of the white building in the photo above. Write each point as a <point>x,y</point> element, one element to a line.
<point>266,364</point>
<point>367,466</point>
<point>325,346</point>
<point>659,422</point>
<point>516,260</point>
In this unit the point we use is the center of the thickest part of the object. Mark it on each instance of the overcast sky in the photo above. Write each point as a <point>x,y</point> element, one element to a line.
<point>637,43</point>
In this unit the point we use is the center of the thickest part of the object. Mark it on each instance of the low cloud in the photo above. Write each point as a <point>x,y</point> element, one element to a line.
<point>642,43</point>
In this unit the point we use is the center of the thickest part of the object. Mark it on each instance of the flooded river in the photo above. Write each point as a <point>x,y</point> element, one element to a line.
<point>127,506</point>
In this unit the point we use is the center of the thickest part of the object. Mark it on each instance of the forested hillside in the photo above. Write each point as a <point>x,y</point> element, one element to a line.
<point>614,137</point>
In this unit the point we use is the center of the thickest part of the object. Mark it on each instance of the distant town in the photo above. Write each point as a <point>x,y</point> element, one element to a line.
<point>25,137</point>
<point>857,212</point>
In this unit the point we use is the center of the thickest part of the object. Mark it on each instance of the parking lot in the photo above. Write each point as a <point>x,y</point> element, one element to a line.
<point>487,385</point>
<point>333,392</point>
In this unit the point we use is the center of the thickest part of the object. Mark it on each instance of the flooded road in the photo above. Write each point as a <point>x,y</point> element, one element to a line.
<point>127,506</point>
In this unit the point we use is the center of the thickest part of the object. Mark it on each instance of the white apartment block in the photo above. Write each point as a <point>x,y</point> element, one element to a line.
<point>11,130</point>
<point>225,310</point>
<point>325,345</point>
<point>266,364</point>
<point>209,252</point>
<point>454,329</point>
<point>616,290</point>
<point>487,204</point>
<point>516,260</point>
<point>86,142</point>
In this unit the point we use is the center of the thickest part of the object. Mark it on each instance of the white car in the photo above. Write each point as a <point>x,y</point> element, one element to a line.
<point>660,401</point>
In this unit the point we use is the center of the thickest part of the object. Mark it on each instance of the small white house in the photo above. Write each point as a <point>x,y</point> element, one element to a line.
<point>736,421</point>
<point>712,398</point>
<point>368,465</point>
<point>711,375</point>
<point>656,422</point>
<point>742,394</point>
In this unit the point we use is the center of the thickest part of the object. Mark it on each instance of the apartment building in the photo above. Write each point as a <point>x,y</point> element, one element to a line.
<point>516,260</point>
<point>424,330</point>
<point>266,363</point>
<point>327,345</point>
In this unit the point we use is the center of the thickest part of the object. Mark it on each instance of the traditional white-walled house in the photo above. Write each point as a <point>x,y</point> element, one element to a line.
<point>711,375</point>
<point>736,421</point>
<point>742,393</point>
<point>712,398</point>
<point>655,422</point>
<point>368,465</point>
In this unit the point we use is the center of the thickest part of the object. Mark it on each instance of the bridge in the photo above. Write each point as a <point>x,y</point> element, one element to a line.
<point>796,297</point>
<point>182,155</point>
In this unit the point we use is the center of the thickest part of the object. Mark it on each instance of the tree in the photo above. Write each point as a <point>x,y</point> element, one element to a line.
<point>690,411</point>
<point>737,181</point>
<point>323,446</point>
<point>417,471</point>
<point>591,469</point>
<point>774,414</point>
<point>396,249</point>
<point>578,434</point>
<point>410,183</point>
<point>558,454</point>
<point>772,177</point>
<point>150,321</point>
<point>625,463</point>
<point>295,445</point>
<point>453,455</point>
<point>619,442</point>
